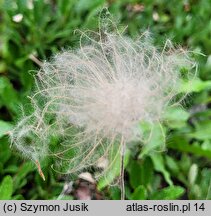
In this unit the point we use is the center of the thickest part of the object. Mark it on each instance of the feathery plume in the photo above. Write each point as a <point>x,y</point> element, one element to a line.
<point>94,98</point>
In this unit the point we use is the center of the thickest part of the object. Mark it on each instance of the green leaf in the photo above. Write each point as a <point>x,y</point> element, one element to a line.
<point>196,85</point>
<point>88,5</point>
<point>168,193</point>
<point>140,193</point>
<point>5,151</point>
<point>6,188</point>
<point>192,175</point>
<point>181,143</point>
<point>65,197</point>
<point>135,173</point>
<point>159,166</point>
<point>5,127</point>
<point>147,172</point>
<point>114,171</point>
<point>8,95</point>
<point>18,197</point>
<point>140,172</point>
<point>172,164</point>
<point>202,131</point>
<point>176,117</point>
<point>115,193</point>
<point>205,184</point>
<point>153,138</point>
<point>25,169</point>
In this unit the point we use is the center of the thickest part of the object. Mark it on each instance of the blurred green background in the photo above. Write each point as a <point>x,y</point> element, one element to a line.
<point>40,28</point>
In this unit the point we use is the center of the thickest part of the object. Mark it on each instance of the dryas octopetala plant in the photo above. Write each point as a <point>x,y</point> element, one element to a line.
<point>94,98</point>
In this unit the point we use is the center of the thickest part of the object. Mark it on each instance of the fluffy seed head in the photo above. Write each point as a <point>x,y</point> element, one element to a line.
<point>97,95</point>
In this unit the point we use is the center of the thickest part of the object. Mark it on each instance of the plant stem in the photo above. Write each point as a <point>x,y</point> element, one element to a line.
<point>122,170</point>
